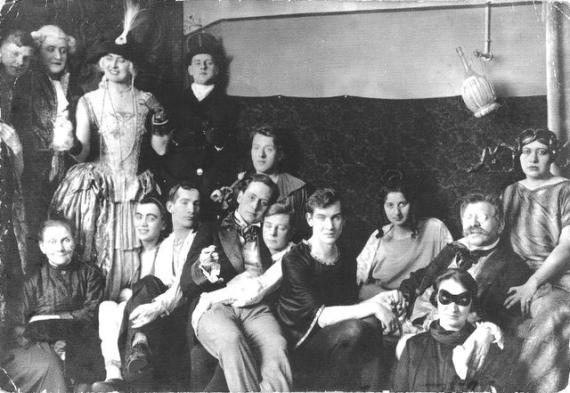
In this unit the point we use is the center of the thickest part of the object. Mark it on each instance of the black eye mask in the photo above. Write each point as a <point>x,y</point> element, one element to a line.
<point>462,299</point>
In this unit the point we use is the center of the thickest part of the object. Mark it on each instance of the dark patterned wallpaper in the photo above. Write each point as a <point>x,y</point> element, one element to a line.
<point>349,143</point>
<point>345,142</point>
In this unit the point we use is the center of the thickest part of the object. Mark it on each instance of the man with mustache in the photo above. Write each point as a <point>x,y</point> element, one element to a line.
<point>495,268</point>
<point>481,252</point>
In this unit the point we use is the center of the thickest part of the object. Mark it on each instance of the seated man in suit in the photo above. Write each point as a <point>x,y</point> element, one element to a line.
<point>245,291</point>
<point>235,335</point>
<point>496,268</point>
<point>318,305</point>
<point>58,315</point>
<point>482,252</point>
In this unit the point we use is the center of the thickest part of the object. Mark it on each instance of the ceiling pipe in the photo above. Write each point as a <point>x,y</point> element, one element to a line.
<point>486,54</point>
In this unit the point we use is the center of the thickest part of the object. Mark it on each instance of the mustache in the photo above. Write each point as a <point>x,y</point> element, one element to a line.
<point>478,230</point>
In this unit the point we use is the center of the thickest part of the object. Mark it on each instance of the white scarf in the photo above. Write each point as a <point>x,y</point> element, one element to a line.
<point>201,91</point>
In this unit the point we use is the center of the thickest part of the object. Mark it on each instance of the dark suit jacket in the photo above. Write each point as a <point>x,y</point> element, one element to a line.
<point>503,269</point>
<point>225,237</point>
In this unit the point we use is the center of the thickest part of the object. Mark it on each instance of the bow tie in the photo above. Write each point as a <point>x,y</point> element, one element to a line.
<point>250,233</point>
<point>467,258</point>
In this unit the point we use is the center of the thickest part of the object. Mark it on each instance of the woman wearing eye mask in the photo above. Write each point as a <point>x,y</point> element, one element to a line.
<point>428,362</point>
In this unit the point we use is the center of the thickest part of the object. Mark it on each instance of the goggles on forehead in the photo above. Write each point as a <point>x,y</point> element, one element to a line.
<point>445,298</point>
<point>543,136</point>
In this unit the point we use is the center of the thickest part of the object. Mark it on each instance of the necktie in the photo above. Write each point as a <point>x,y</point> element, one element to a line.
<point>250,250</point>
<point>250,233</point>
<point>467,258</point>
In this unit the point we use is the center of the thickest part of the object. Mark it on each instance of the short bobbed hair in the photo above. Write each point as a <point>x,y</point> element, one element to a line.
<point>322,198</point>
<point>184,185</point>
<point>259,178</point>
<point>149,199</point>
<point>279,208</point>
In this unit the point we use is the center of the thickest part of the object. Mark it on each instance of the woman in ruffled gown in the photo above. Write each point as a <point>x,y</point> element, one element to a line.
<point>100,194</point>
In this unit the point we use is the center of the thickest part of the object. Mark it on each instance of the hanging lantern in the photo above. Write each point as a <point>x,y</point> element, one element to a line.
<point>476,90</point>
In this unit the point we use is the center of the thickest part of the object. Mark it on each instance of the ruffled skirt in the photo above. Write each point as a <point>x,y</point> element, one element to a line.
<point>104,221</point>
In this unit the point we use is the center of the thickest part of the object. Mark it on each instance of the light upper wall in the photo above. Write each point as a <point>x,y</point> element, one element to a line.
<point>385,53</point>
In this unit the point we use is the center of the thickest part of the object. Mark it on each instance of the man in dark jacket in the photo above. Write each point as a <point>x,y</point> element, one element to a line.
<point>481,252</point>
<point>203,147</point>
<point>235,335</point>
<point>43,113</point>
<point>496,269</point>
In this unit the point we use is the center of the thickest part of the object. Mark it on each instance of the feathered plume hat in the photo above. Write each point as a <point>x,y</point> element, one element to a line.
<point>122,45</point>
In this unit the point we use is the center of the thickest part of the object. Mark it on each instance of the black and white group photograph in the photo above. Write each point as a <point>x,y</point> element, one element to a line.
<point>284,196</point>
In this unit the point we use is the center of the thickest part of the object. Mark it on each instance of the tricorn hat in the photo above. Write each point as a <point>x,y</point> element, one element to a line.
<point>204,43</point>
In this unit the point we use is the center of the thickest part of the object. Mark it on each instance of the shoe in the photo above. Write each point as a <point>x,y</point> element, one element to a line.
<point>138,359</point>
<point>110,385</point>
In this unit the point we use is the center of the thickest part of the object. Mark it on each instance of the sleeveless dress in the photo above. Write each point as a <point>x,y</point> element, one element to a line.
<point>100,196</point>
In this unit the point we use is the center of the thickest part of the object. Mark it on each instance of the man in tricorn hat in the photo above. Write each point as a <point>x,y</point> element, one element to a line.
<point>203,145</point>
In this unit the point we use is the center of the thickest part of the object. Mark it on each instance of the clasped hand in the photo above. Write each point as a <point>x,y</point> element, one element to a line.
<point>209,263</point>
<point>394,300</point>
<point>387,318</point>
<point>144,314</point>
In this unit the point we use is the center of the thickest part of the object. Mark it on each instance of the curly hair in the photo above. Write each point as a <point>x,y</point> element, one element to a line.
<point>546,137</point>
<point>40,35</point>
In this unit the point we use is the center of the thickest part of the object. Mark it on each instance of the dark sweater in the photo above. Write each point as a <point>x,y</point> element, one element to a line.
<point>308,286</point>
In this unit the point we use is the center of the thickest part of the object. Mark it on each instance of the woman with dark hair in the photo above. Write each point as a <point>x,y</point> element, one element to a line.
<point>120,130</point>
<point>431,361</point>
<point>401,246</point>
<point>537,225</point>
<point>537,217</point>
